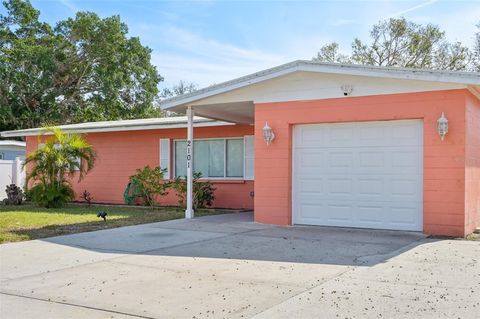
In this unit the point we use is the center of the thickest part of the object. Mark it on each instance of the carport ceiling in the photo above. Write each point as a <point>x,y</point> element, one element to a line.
<point>236,112</point>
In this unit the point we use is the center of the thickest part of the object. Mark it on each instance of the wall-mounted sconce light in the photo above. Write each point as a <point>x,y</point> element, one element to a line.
<point>442,126</point>
<point>268,135</point>
<point>347,89</point>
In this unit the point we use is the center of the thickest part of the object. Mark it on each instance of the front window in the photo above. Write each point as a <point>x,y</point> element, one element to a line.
<point>214,158</point>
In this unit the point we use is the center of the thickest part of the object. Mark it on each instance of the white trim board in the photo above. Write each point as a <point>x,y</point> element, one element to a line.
<point>302,86</point>
<point>465,78</point>
<point>116,126</point>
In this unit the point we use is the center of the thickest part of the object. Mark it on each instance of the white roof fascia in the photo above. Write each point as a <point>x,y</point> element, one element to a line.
<point>12,143</point>
<point>118,127</point>
<point>467,78</point>
<point>394,73</point>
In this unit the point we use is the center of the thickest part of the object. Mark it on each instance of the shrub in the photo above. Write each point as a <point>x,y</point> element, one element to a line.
<point>149,184</point>
<point>51,195</point>
<point>203,192</point>
<point>15,195</point>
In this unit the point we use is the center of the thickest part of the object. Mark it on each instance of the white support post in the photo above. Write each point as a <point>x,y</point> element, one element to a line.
<point>189,211</point>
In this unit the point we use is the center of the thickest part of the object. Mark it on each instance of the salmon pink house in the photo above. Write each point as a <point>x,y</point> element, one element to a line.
<point>313,144</point>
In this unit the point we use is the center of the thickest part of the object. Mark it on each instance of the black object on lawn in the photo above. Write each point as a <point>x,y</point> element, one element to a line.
<point>102,215</point>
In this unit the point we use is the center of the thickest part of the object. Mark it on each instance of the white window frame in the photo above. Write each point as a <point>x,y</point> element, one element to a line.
<point>165,156</point>
<point>224,158</point>
<point>246,158</point>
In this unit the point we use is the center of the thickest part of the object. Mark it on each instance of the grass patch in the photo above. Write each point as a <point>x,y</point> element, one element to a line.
<point>27,222</point>
<point>474,236</point>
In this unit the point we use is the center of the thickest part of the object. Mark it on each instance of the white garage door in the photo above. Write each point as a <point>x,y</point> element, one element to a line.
<point>362,174</point>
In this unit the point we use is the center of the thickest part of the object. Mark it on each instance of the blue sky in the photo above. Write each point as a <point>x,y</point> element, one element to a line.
<point>209,42</point>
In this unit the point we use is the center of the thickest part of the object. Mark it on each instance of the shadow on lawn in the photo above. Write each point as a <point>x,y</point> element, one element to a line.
<point>115,218</point>
<point>236,236</point>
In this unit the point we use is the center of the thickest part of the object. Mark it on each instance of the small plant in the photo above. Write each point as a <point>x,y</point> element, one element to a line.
<point>149,184</point>
<point>203,192</point>
<point>87,197</point>
<point>15,195</point>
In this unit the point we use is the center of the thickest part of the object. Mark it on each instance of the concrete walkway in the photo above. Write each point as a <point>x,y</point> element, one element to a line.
<point>228,267</point>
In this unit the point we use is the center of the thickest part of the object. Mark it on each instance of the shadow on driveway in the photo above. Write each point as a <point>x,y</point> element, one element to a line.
<point>236,236</point>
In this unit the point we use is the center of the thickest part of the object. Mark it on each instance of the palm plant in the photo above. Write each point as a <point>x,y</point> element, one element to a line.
<point>54,164</point>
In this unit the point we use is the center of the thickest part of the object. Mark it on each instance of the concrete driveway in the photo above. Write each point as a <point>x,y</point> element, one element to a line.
<point>228,267</point>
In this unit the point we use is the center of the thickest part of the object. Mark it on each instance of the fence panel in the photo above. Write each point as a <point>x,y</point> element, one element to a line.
<point>11,172</point>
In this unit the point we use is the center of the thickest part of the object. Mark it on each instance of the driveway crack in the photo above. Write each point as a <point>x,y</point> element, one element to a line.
<point>78,306</point>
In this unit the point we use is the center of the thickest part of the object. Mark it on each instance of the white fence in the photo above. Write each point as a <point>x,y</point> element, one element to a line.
<point>11,172</point>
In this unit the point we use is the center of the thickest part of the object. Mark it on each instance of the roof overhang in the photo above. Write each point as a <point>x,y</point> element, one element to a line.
<point>12,143</point>
<point>122,125</point>
<point>243,108</point>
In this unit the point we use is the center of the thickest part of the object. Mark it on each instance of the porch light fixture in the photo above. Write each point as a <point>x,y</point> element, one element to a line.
<point>442,126</point>
<point>268,135</point>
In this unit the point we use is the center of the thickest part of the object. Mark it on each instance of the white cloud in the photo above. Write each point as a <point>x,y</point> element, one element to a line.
<point>191,57</point>
<point>411,9</point>
<point>203,72</point>
<point>458,26</point>
<point>69,5</point>
<point>341,22</point>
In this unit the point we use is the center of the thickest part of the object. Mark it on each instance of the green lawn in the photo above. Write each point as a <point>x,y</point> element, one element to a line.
<point>26,222</point>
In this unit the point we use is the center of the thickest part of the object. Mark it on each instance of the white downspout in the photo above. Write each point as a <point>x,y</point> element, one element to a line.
<point>189,211</point>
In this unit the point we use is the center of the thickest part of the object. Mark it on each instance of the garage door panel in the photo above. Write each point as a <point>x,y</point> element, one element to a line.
<point>312,137</point>
<point>365,160</point>
<point>311,158</point>
<point>371,133</point>
<point>311,186</point>
<point>367,214</point>
<point>341,135</point>
<point>310,211</point>
<point>403,216</point>
<point>340,186</point>
<point>366,174</point>
<point>339,213</point>
<point>401,187</point>
<point>362,187</point>
<point>370,215</point>
<point>371,187</point>
<point>372,158</point>
<point>341,159</point>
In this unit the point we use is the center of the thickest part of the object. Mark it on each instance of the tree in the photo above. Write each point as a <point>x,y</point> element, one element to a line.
<point>83,69</point>
<point>54,163</point>
<point>452,56</point>
<point>178,89</point>
<point>330,53</point>
<point>397,42</point>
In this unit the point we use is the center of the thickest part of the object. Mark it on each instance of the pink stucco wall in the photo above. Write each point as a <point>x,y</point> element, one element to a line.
<point>119,154</point>
<point>451,182</point>
<point>472,164</point>
<point>444,193</point>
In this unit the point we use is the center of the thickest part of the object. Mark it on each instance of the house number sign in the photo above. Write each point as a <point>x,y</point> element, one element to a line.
<point>189,153</point>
